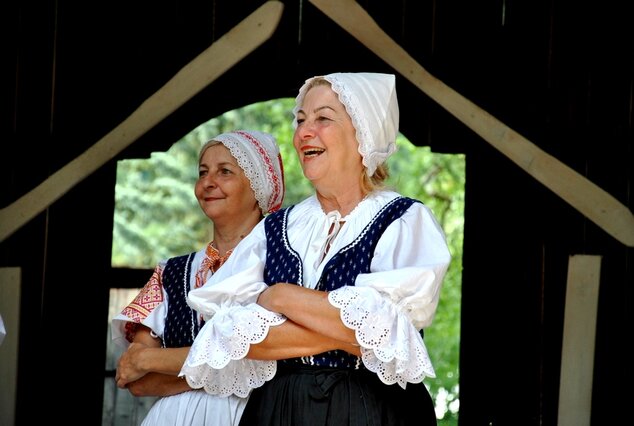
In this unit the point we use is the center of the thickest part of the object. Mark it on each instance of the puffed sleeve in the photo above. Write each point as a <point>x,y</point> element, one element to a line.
<point>389,306</point>
<point>234,321</point>
<point>149,308</point>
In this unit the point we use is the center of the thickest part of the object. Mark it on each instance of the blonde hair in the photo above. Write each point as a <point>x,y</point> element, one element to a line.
<point>376,181</point>
<point>317,81</point>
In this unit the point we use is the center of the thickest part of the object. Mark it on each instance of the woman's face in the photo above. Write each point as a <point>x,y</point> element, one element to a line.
<point>222,189</point>
<point>325,141</point>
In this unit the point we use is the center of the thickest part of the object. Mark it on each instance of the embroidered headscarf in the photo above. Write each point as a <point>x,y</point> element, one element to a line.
<point>370,100</point>
<point>258,155</point>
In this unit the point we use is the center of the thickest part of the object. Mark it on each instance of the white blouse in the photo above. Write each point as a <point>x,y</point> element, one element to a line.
<point>387,307</point>
<point>186,408</point>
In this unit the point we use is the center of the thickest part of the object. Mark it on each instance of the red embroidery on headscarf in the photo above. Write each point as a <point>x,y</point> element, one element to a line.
<point>278,187</point>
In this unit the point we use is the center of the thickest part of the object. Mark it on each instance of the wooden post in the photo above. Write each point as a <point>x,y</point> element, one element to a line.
<point>577,355</point>
<point>10,311</point>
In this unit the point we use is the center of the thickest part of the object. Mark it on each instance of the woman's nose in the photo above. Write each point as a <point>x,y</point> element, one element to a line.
<point>209,181</point>
<point>306,131</point>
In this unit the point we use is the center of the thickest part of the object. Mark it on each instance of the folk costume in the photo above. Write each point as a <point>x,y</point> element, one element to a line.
<point>382,265</point>
<point>162,303</point>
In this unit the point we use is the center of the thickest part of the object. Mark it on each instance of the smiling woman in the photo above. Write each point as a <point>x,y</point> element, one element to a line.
<point>240,181</point>
<point>157,216</point>
<point>354,272</point>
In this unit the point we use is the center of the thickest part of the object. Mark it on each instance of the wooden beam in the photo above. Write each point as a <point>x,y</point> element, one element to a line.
<point>582,194</point>
<point>214,61</point>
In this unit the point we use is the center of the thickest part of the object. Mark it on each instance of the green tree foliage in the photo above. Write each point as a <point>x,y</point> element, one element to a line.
<point>438,181</point>
<point>157,216</point>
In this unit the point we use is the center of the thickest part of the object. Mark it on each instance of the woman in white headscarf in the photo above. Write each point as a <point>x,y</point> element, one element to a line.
<point>240,180</point>
<point>355,271</point>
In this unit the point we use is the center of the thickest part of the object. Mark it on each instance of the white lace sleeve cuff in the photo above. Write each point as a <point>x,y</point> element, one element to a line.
<point>216,360</point>
<point>390,345</point>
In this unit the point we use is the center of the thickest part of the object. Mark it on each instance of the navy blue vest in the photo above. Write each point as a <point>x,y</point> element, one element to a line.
<point>283,264</point>
<point>181,325</point>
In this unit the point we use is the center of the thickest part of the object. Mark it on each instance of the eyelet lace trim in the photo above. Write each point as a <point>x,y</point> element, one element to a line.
<point>348,99</point>
<point>390,345</point>
<point>216,360</point>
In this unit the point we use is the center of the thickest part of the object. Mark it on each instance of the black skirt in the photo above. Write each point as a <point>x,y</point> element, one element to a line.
<point>318,396</point>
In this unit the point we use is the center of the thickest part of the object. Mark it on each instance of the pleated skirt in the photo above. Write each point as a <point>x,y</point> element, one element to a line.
<point>318,396</point>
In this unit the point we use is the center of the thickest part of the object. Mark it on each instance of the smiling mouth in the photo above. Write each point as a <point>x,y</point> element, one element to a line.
<point>313,152</point>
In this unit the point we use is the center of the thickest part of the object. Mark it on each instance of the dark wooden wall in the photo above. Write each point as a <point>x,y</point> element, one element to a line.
<point>561,73</point>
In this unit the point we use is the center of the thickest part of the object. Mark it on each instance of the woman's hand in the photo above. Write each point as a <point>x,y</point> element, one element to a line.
<point>130,365</point>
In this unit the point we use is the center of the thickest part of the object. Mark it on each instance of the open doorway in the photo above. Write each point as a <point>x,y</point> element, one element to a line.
<point>157,216</point>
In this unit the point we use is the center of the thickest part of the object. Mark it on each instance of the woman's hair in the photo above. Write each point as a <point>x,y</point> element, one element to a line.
<point>317,81</point>
<point>377,181</point>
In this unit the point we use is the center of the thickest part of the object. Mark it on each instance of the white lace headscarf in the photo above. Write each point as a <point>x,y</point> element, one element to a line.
<point>258,155</point>
<point>370,100</point>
